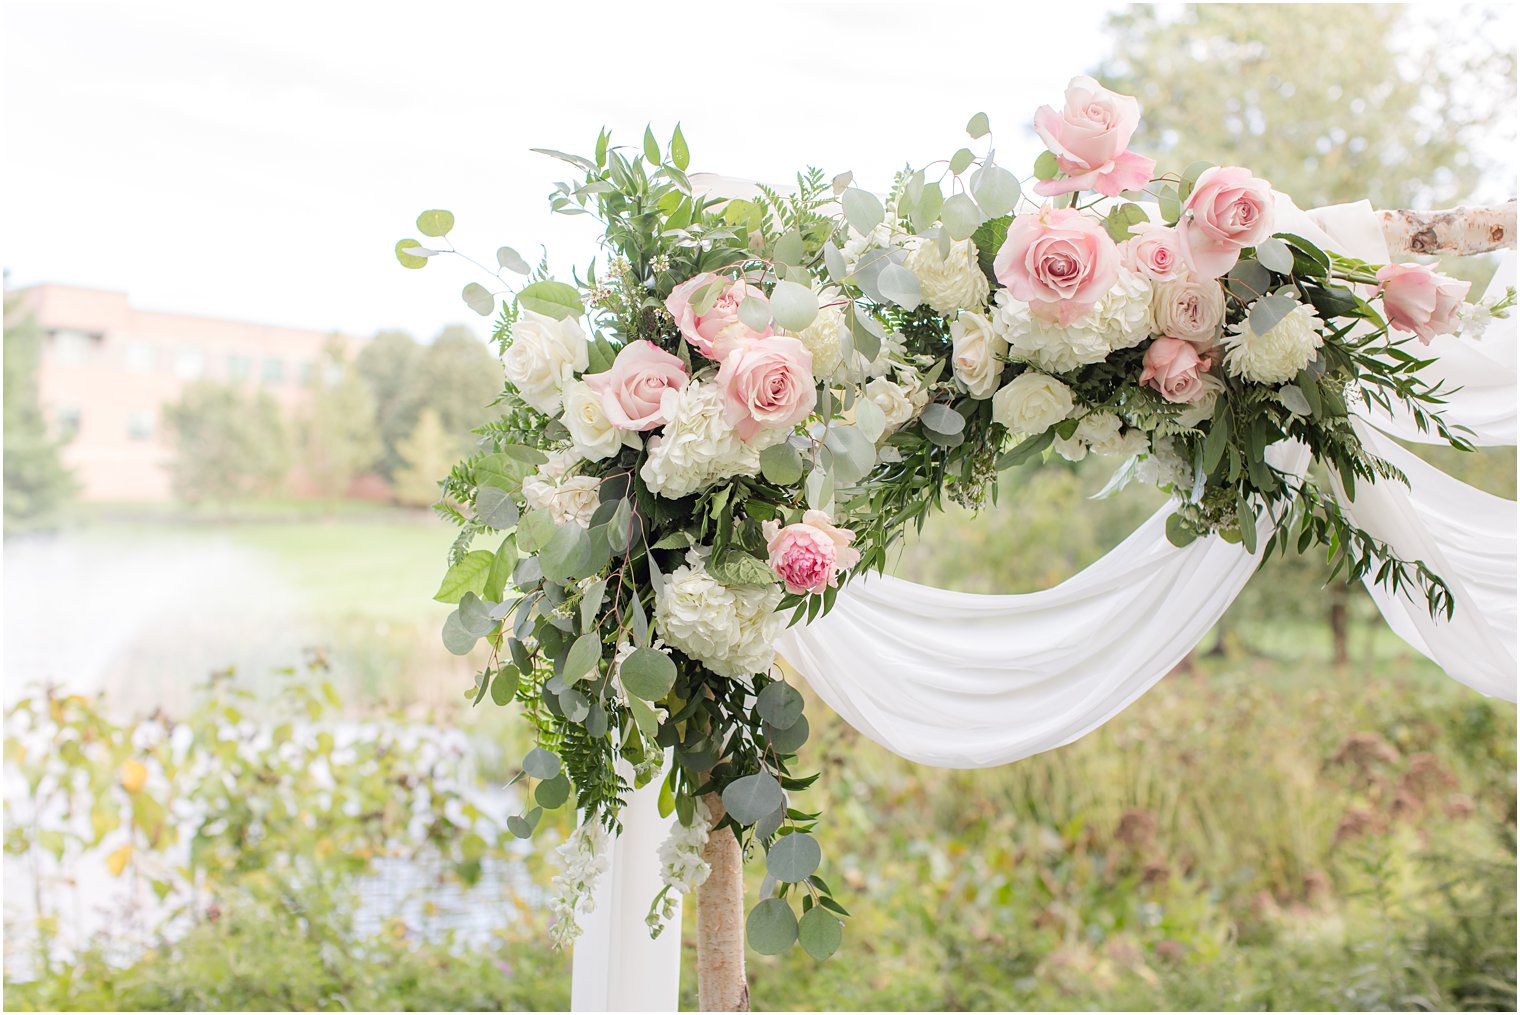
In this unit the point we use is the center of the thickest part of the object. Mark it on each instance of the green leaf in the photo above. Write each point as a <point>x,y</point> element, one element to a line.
<point>996,191</point>
<point>819,933</point>
<point>409,260</point>
<point>511,260</point>
<point>644,715</point>
<point>779,704</point>
<point>961,217</point>
<point>1046,167</point>
<point>739,568</point>
<point>1177,531</point>
<point>961,161</point>
<point>899,285</point>
<point>534,530</point>
<point>794,306</point>
<point>456,637</point>
<point>552,792</point>
<point>1171,206</point>
<point>504,685</point>
<point>475,615</point>
<point>567,553</point>
<point>940,418</point>
<point>469,575</point>
<point>978,126</point>
<point>648,674</point>
<point>583,658</point>
<point>1027,449</point>
<point>1190,177</point>
<point>793,857</point>
<point>1216,441</point>
<point>680,155</point>
<point>541,763</point>
<point>495,508</point>
<point>1309,385</point>
<point>552,299</point>
<point>789,248</point>
<point>479,299</point>
<point>752,797</point>
<point>1122,219</point>
<point>771,927</point>
<point>435,222</point>
<point>1274,254</point>
<point>651,147</point>
<point>1247,519</point>
<point>502,562</point>
<point>781,464</point>
<point>789,740</point>
<point>862,209</point>
<point>1269,311</point>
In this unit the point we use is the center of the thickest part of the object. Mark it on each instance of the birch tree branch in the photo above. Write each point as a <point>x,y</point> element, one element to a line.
<point>1453,231</point>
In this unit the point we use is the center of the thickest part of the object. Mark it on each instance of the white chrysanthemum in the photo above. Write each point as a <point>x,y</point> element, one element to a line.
<point>698,446</point>
<point>1164,467</point>
<point>1119,320</point>
<point>951,283</point>
<point>1278,356</point>
<point>732,630</point>
<point>1032,403</point>
<point>584,857</point>
<point>825,338</point>
<point>682,868</point>
<point>567,497</point>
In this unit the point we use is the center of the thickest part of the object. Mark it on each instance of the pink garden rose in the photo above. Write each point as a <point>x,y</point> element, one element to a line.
<point>1155,251</point>
<point>715,333</point>
<point>767,384</point>
<point>640,391</point>
<point>1058,261</point>
<point>1227,210</point>
<point>1422,301</point>
<point>809,555</point>
<point>1089,138</point>
<point>1174,368</point>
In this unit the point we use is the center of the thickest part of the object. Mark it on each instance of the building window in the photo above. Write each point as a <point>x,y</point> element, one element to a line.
<point>141,357</point>
<point>140,424</point>
<point>274,371</point>
<point>239,368</point>
<point>189,364</point>
<point>67,421</point>
<point>72,346</point>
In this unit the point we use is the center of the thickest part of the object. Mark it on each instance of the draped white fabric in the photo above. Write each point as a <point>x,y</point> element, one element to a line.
<point>959,680</point>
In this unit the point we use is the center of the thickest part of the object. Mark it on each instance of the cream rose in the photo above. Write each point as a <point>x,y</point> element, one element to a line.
<point>1191,311</point>
<point>544,355</point>
<point>950,283</point>
<point>1032,403</point>
<point>897,403</point>
<point>567,498</point>
<point>592,434</point>
<point>978,353</point>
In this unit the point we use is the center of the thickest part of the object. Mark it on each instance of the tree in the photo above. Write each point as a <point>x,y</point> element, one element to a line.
<point>229,444</point>
<point>1331,103</point>
<point>37,483</point>
<point>426,455</point>
<point>339,441</point>
<point>389,364</point>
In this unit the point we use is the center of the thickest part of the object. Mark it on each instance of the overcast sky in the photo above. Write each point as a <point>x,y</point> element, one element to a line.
<point>259,161</point>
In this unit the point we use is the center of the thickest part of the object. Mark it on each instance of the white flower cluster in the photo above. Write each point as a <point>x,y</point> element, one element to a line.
<point>898,403</point>
<point>730,630</point>
<point>1102,433</point>
<point>682,868</point>
<point>699,447</point>
<point>1119,320</point>
<point>567,498</point>
<point>584,857</point>
<point>951,283</point>
<point>1278,356</point>
<point>1473,319</point>
<point>825,339</point>
<point>1164,467</point>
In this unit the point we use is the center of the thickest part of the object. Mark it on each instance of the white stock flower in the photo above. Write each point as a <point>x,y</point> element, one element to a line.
<point>1277,356</point>
<point>584,857</point>
<point>1120,319</point>
<point>732,630</point>
<point>567,498</point>
<point>824,338</point>
<point>1191,311</point>
<point>542,358</point>
<point>1031,403</point>
<point>682,869</point>
<point>699,447</point>
<point>950,283</point>
<point>1164,467</point>
<point>592,434</point>
<point>978,354</point>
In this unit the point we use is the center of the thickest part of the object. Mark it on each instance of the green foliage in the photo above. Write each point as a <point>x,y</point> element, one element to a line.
<point>425,454</point>
<point>37,483</point>
<point>338,440</point>
<point>229,443</point>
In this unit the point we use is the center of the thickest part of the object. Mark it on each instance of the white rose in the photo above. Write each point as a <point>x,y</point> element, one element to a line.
<point>592,434</point>
<point>825,339</point>
<point>896,402</point>
<point>978,354</point>
<point>1070,448</point>
<point>699,446</point>
<point>567,498</point>
<point>950,283</point>
<point>1032,403</point>
<point>1100,430</point>
<point>542,358</point>
<point>730,630</point>
<point>1278,356</point>
<point>1191,311</point>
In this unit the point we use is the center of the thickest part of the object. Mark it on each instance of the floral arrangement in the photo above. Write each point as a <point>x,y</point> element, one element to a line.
<point>748,401</point>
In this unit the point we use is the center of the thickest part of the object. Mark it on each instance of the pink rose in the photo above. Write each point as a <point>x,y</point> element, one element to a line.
<point>1227,210</point>
<point>639,392</point>
<point>1089,139</point>
<point>767,384</point>
<point>1155,251</point>
<point>1058,261</point>
<point>715,333</point>
<point>809,555</point>
<point>1173,367</point>
<point>1420,300</point>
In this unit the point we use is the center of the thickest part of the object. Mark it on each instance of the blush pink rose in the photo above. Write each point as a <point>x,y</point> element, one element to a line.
<point>715,333</point>
<point>1174,368</point>
<point>1422,301</point>
<point>1089,138</point>
<point>767,384</point>
<point>808,556</point>
<point>1155,251</point>
<point>640,391</point>
<point>1058,261</point>
<point>1228,209</point>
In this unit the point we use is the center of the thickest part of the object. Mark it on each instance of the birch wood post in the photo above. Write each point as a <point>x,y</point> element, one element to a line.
<point>721,983</point>
<point>1453,231</point>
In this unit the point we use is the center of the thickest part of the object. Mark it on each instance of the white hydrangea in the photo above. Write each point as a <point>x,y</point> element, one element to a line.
<point>584,857</point>
<point>682,868</point>
<point>567,497</point>
<point>951,283</point>
<point>1102,433</point>
<point>732,630</point>
<point>825,339</point>
<point>1119,320</point>
<point>699,447</point>
<point>1164,467</point>
<point>1278,356</point>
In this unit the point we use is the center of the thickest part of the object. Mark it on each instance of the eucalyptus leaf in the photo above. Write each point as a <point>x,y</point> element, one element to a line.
<point>552,792</point>
<point>862,209</point>
<point>781,464</point>
<point>755,312</point>
<point>789,740</point>
<point>552,299</point>
<point>961,161</point>
<point>868,417</point>
<point>820,933</point>
<point>942,419</point>
<point>495,508</point>
<point>475,615</point>
<point>779,704</point>
<point>504,685</point>
<point>435,223</point>
<point>771,927</point>
<point>541,763</point>
<point>978,126</point>
<point>479,299</point>
<point>996,190</point>
<point>961,216</point>
<point>794,306</point>
<point>583,658</point>
<point>1269,312</point>
<point>648,674</point>
<point>793,858</point>
<point>456,637</point>
<point>1274,254</point>
<point>752,797</point>
<point>409,260</point>
<point>899,285</point>
<point>511,260</point>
